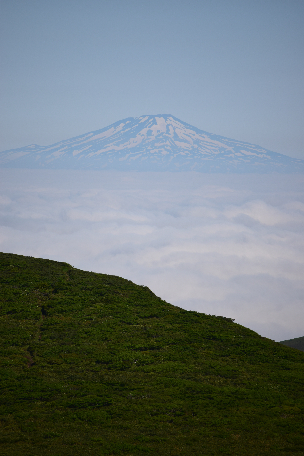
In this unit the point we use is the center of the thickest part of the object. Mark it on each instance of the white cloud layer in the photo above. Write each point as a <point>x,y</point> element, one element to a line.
<point>228,245</point>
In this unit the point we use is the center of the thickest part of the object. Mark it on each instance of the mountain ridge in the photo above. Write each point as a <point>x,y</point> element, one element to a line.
<point>152,143</point>
<point>297,342</point>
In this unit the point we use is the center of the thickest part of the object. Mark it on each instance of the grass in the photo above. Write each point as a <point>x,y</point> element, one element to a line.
<point>93,364</point>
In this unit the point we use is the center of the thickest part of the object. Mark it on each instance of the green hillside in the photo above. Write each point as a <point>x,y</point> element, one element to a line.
<point>93,364</point>
<point>297,343</point>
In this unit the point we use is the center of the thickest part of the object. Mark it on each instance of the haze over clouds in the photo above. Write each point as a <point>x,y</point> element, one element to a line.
<point>221,244</point>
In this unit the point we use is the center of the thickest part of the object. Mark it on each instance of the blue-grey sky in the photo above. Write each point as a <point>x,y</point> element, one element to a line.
<point>235,68</point>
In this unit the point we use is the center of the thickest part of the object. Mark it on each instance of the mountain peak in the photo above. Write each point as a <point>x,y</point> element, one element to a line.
<point>159,142</point>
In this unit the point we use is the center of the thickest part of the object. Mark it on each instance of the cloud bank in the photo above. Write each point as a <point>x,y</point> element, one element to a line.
<point>228,245</point>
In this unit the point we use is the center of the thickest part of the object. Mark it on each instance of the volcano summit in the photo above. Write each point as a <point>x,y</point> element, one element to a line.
<point>152,143</point>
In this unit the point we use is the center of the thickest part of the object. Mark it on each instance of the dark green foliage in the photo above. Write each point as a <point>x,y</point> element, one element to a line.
<point>297,343</point>
<point>93,364</point>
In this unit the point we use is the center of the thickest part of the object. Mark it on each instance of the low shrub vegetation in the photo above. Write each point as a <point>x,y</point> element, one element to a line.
<point>92,364</point>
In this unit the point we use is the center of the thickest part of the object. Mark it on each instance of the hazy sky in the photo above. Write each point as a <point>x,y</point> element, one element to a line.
<point>219,244</point>
<point>235,68</point>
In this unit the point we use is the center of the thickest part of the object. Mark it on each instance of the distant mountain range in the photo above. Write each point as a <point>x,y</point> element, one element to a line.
<point>298,343</point>
<point>152,143</point>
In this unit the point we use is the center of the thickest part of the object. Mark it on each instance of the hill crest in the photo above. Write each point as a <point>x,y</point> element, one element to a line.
<point>94,364</point>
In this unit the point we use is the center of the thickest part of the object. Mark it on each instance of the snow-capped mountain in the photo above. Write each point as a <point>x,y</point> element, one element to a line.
<point>152,143</point>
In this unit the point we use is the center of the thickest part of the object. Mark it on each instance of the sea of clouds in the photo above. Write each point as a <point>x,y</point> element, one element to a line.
<point>230,245</point>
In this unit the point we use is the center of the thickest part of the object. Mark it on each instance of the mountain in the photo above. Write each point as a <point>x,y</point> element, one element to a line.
<point>92,364</point>
<point>152,143</point>
<point>297,343</point>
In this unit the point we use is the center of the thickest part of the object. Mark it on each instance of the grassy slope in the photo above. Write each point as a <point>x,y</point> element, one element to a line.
<point>93,364</point>
<point>297,343</point>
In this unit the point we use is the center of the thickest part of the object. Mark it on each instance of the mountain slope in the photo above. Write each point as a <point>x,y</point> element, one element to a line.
<point>297,343</point>
<point>152,143</point>
<point>93,364</point>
